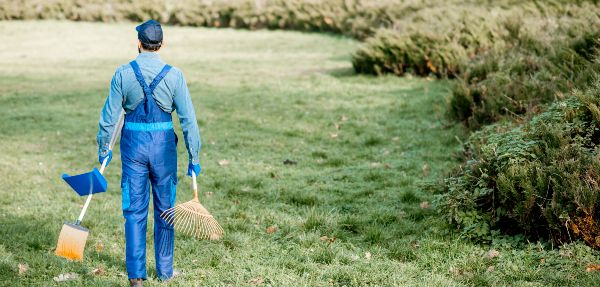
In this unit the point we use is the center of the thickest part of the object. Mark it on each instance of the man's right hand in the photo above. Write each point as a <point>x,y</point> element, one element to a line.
<point>108,155</point>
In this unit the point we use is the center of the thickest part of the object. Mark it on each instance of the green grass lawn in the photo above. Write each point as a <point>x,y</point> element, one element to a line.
<point>352,211</point>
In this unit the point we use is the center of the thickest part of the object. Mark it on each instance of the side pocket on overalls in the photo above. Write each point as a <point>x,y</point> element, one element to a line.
<point>125,198</point>
<point>173,191</point>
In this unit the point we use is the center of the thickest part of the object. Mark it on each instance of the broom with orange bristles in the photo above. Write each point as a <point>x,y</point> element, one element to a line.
<point>73,236</point>
<point>192,218</point>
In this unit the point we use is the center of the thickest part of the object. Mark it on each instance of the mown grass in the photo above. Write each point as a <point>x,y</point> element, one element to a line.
<point>363,148</point>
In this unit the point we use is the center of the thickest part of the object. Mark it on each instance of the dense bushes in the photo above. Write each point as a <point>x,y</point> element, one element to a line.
<point>540,178</point>
<point>439,39</point>
<point>517,81</point>
<point>356,18</point>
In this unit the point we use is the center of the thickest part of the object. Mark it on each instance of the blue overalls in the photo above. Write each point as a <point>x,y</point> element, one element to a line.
<point>149,157</point>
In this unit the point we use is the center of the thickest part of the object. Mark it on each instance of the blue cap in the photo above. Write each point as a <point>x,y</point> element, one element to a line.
<point>150,32</point>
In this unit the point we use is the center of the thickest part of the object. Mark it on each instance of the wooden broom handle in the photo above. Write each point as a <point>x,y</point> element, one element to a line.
<point>194,185</point>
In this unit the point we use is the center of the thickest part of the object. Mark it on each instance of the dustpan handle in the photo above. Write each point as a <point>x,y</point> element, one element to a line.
<point>195,185</point>
<point>113,140</point>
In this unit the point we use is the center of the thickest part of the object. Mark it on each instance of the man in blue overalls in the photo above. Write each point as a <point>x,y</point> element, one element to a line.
<point>149,90</point>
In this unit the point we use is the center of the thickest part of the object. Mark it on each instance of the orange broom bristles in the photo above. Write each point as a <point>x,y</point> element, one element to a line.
<point>71,242</point>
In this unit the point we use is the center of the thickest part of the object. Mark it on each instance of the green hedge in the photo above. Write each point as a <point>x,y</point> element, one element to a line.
<point>540,178</point>
<point>356,18</point>
<point>439,40</point>
<point>517,82</point>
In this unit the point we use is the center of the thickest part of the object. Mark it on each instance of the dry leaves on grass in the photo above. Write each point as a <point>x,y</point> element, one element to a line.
<point>328,240</point>
<point>99,246</point>
<point>592,267</point>
<point>425,170</point>
<point>100,271</point>
<point>425,205</point>
<point>256,281</point>
<point>271,229</point>
<point>23,267</point>
<point>368,255</point>
<point>66,277</point>
<point>223,162</point>
<point>491,254</point>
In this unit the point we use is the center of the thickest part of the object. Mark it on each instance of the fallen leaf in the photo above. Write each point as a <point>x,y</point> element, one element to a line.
<point>375,164</point>
<point>99,246</point>
<point>208,194</point>
<point>368,255</point>
<point>456,271</point>
<point>320,161</point>
<point>246,189</point>
<point>223,162</point>
<point>425,205</point>
<point>289,162</point>
<point>334,135</point>
<point>425,170</point>
<point>256,281</point>
<point>492,254</point>
<point>66,277</point>
<point>387,165</point>
<point>100,271</point>
<point>271,229</point>
<point>236,202</point>
<point>337,126</point>
<point>491,269</point>
<point>327,239</point>
<point>592,267</point>
<point>343,118</point>
<point>23,267</point>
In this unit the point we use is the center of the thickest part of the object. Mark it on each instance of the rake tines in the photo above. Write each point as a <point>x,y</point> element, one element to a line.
<point>193,219</point>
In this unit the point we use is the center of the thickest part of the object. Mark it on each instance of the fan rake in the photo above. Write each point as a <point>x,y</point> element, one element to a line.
<point>193,219</point>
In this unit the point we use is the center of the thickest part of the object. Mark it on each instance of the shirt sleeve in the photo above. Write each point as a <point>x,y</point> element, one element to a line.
<point>110,114</point>
<point>187,119</point>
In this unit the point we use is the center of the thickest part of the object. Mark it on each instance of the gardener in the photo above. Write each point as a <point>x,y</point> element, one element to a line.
<point>149,90</point>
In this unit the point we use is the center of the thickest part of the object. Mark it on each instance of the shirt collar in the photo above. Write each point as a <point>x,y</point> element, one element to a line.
<point>148,55</point>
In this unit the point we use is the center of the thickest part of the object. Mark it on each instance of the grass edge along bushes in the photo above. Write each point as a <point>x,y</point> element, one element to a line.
<point>540,179</point>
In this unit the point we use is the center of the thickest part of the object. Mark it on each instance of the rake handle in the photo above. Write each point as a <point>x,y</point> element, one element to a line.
<point>194,185</point>
<point>113,140</point>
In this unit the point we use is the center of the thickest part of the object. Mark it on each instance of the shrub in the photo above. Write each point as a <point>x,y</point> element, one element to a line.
<point>519,80</point>
<point>439,39</point>
<point>539,178</point>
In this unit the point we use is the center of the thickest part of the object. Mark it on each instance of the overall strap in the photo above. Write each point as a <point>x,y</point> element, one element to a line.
<point>140,78</point>
<point>159,77</point>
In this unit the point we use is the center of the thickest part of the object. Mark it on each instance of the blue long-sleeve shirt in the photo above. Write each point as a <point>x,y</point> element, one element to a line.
<point>171,94</point>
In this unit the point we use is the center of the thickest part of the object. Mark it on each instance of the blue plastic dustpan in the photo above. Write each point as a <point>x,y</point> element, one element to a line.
<point>87,183</point>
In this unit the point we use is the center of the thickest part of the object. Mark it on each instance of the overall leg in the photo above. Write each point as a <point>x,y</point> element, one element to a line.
<point>135,197</point>
<point>163,176</point>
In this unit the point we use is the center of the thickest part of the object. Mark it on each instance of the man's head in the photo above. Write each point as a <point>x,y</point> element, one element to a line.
<point>150,36</point>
